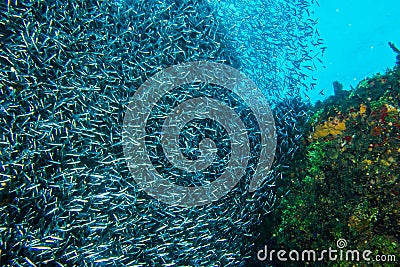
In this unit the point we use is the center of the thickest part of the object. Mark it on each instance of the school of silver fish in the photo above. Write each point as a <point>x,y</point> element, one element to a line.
<point>67,71</point>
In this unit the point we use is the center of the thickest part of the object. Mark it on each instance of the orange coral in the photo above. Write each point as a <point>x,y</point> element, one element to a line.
<point>334,126</point>
<point>376,131</point>
<point>363,109</point>
<point>362,112</point>
<point>391,108</point>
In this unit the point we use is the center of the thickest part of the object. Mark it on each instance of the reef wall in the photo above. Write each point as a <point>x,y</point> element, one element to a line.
<point>344,182</point>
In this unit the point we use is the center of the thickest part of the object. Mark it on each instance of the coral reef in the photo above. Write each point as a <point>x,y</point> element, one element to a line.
<point>346,183</point>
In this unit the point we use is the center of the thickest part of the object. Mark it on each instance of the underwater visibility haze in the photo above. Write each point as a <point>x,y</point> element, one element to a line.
<point>199,133</point>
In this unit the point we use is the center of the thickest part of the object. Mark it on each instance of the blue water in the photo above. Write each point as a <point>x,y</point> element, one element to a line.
<point>356,33</point>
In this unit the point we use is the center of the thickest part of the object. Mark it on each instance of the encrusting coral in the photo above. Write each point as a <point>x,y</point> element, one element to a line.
<point>345,184</point>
